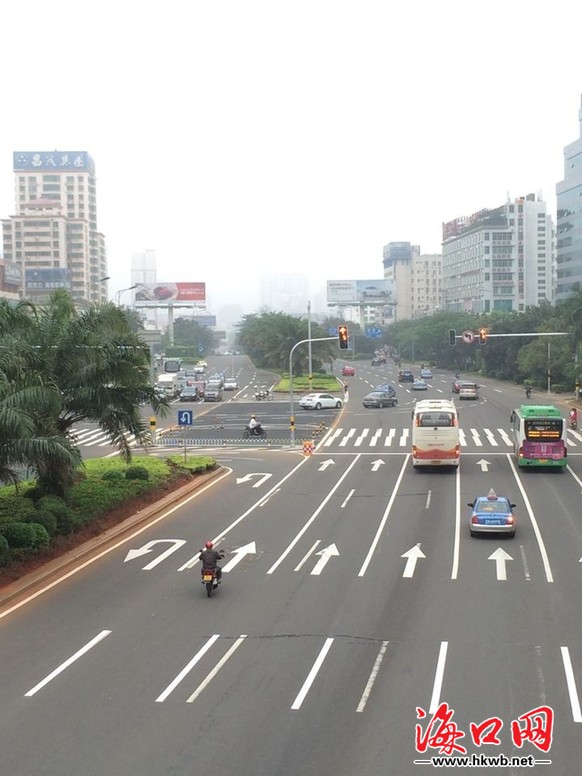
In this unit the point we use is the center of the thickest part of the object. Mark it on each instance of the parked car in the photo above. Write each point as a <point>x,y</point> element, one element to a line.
<point>419,385</point>
<point>348,371</point>
<point>426,373</point>
<point>189,393</point>
<point>380,399</point>
<point>405,376</point>
<point>320,401</point>
<point>492,514</point>
<point>230,384</point>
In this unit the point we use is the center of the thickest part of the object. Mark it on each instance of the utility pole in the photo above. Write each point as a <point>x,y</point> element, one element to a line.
<point>310,369</point>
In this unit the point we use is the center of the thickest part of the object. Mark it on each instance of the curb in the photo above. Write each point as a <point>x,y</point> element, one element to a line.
<point>56,567</point>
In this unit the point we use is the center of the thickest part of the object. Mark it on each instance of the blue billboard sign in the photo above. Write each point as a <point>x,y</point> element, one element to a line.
<point>31,161</point>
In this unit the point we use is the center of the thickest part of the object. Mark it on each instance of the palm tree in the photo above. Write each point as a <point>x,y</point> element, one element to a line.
<point>62,365</point>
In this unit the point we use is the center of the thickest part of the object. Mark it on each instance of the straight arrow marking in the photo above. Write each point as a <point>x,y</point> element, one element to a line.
<point>325,555</point>
<point>412,555</point>
<point>248,549</point>
<point>500,557</point>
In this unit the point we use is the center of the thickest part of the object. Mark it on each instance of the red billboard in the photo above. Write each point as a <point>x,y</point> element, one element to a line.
<point>170,292</point>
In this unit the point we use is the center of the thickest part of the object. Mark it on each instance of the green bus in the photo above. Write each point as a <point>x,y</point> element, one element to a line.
<point>539,436</point>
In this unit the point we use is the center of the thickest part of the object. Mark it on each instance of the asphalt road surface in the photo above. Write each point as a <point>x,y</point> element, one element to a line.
<point>354,608</point>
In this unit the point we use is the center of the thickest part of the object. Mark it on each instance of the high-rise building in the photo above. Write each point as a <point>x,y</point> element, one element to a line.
<point>500,259</point>
<point>53,236</point>
<point>285,292</point>
<point>417,280</point>
<point>569,219</point>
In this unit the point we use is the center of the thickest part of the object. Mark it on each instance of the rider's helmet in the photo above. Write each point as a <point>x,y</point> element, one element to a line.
<point>253,416</point>
<point>209,545</point>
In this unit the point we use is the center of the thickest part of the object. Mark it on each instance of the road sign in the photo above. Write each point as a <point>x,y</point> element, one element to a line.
<point>374,332</point>
<point>184,417</point>
<point>468,337</point>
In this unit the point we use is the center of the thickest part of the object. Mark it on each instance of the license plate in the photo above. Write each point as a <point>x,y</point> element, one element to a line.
<point>207,577</point>
<point>542,460</point>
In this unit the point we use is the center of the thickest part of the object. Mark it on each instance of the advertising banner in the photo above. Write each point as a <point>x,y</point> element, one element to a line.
<point>170,292</point>
<point>358,292</point>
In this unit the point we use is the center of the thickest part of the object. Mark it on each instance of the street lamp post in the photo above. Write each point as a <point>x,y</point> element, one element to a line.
<point>291,416</point>
<point>121,291</point>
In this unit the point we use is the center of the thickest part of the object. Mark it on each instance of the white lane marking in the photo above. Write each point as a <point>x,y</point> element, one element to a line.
<point>457,537</point>
<point>524,563</point>
<point>308,554</point>
<point>375,438</point>
<point>372,677</point>
<point>476,437</point>
<point>202,686</point>
<point>571,682</point>
<point>312,674</point>
<point>347,437</point>
<point>403,441</point>
<point>333,436</point>
<point>428,498</point>
<point>376,539</point>
<point>490,438</point>
<point>187,668</point>
<point>99,637</point>
<point>534,522</point>
<point>390,437</point>
<point>462,438</point>
<point>286,552</point>
<point>361,438</point>
<point>505,436</point>
<point>347,498</point>
<point>438,679</point>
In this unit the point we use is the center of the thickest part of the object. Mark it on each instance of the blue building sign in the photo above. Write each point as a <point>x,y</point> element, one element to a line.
<point>43,280</point>
<point>44,161</point>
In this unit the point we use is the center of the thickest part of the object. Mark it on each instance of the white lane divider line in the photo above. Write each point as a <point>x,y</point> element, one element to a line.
<point>312,674</point>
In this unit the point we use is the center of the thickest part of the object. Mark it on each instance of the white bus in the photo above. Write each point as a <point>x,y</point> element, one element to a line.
<point>435,433</point>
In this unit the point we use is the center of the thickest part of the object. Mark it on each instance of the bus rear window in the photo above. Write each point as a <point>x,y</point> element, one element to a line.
<point>433,419</point>
<point>543,428</point>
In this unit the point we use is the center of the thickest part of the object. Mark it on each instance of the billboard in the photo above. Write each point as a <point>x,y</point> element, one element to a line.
<point>52,160</point>
<point>170,292</point>
<point>46,280</point>
<point>358,292</point>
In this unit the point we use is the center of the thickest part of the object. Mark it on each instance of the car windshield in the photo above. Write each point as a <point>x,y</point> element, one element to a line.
<point>492,505</point>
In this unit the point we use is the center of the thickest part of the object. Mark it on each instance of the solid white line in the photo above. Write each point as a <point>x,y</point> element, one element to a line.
<point>312,674</point>
<point>307,555</point>
<point>428,498</point>
<point>372,677</point>
<point>216,669</point>
<point>457,537</point>
<point>376,539</point>
<point>534,522</point>
<point>187,668</point>
<point>282,557</point>
<point>106,551</point>
<point>99,637</point>
<point>438,679</point>
<point>571,682</point>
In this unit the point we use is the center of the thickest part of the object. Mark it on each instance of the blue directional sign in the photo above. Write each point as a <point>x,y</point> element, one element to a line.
<point>184,417</point>
<point>374,331</point>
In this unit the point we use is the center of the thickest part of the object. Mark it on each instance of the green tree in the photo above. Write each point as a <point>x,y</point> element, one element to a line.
<point>59,366</point>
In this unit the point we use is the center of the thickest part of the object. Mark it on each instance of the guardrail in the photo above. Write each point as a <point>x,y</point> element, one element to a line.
<point>238,442</point>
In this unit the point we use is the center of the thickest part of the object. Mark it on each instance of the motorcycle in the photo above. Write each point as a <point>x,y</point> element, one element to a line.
<point>527,392</point>
<point>263,395</point>
<point>210,581</point>
<point>573,424</point>
<point>258,431</point>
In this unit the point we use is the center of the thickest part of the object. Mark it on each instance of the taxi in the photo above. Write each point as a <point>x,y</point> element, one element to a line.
<point>492,514</point>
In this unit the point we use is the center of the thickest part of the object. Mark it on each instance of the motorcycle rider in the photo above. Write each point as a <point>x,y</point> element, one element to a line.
<point>254,426</point>
<point>573,418</point>
<point>209,558</point>
<point>527,391</point>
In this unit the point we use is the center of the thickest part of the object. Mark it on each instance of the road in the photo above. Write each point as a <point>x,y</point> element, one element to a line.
<point>353,595</point>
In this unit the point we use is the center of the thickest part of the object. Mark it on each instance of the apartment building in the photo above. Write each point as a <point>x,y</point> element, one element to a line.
<point>417,280</point>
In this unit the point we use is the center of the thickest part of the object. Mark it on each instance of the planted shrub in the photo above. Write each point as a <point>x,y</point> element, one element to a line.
<point>15,509</point>
<point>4,551</point>
<point>114,474</point>
<point>26,536</point>
<point>47,519</point>
<point>64,516</point>
<point>137,473</point>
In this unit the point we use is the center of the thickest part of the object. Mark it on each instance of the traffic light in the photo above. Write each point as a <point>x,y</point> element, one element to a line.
<point>482,336</point>
<point>342,333</point>
<point>452,337</point>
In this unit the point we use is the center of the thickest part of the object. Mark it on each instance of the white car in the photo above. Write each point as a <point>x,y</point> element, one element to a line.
<point>230,384</point>
<point>320,401</point>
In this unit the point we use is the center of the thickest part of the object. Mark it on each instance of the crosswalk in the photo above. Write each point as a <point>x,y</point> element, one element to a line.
<point>399,438</point>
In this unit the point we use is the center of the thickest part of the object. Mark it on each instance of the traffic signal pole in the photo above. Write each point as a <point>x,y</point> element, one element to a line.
<point>291,415</point>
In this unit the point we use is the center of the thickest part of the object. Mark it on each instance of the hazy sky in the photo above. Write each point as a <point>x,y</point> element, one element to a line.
<point>238,137</point>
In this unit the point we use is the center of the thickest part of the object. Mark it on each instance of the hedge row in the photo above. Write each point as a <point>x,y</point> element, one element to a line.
<point>29,520</point>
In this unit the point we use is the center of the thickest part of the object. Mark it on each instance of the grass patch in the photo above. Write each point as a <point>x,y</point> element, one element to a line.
<point>321,382</point>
